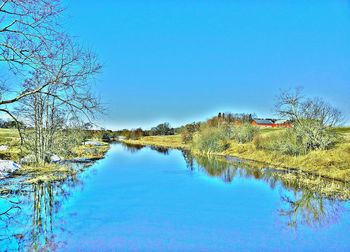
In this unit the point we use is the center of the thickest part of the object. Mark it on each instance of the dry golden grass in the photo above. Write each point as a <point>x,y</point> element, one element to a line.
<point>10,138</point>
<point>174,141</point>
<point>334,163</point>
<point>47,172</point>
<point>90,151</point>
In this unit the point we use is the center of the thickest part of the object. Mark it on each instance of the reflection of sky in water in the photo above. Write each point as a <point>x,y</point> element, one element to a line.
<point>144,199</point>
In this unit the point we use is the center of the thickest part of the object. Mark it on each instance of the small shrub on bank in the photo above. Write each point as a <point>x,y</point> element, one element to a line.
<point>312,135</point>
<point>313,120</point>
<point>211,139</point>
<point>244,133</point>
<point>216,139</point>
<point>283,142</point>
<point>188,131</point>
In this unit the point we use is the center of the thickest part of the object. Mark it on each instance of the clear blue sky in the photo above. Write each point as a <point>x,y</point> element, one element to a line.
<point>181,61</point>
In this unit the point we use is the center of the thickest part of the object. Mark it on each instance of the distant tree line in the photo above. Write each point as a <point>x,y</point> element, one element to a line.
<point>10,124</point>
<point>163,129</point>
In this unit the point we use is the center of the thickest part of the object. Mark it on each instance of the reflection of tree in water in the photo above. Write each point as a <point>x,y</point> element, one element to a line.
<point>42,217</point>
<point>311,209</point>
<point>316,202</point>
<point>10,209</point>
<point>161,150</point>
<point>132,147</point>
<point>137,147</point>
<point>217,167</point>
<point>189,159</point>
<point>34,224</point>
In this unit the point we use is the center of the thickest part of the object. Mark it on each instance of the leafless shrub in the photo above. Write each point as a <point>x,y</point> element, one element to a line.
<point>312,119</point>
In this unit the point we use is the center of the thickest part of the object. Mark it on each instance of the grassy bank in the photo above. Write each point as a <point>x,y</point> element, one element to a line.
<point>173,141</point>
<point>90,151</point>
<point>47,172</point>
<point>334,163</point>
<point>10,138</point>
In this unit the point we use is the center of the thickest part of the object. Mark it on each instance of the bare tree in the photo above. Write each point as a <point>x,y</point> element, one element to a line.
<point>27,30</point>
<point>65,96</point>
<point>293,106</point>
<point>312,119</point>
<point>50,75</point>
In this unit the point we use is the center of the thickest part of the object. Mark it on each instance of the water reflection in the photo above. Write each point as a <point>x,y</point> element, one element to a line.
<point>31,219</point>
<point>311,209</point>
<point>133,148</point>
<point>212,166</point>
<point>305,200</point>
<point>162,150</point>
<point>31,215</point>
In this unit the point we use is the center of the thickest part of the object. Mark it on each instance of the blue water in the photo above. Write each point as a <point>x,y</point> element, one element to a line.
<point>148,200</point>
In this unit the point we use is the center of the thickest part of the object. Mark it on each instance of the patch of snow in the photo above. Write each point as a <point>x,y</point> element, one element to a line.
<point>7,167</point>
<point>93,143</point>
<point>55,159</point>
<point>3,147</point>
<point>81,160</point>
<point>28,159</point>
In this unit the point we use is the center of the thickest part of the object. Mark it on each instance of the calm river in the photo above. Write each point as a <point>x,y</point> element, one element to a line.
<point>148,199</point>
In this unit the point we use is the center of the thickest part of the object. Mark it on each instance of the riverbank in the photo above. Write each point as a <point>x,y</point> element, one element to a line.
<point>85,154</point>
<point>173,141</point>
<point>32,174</point>
<point>333,164</point>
